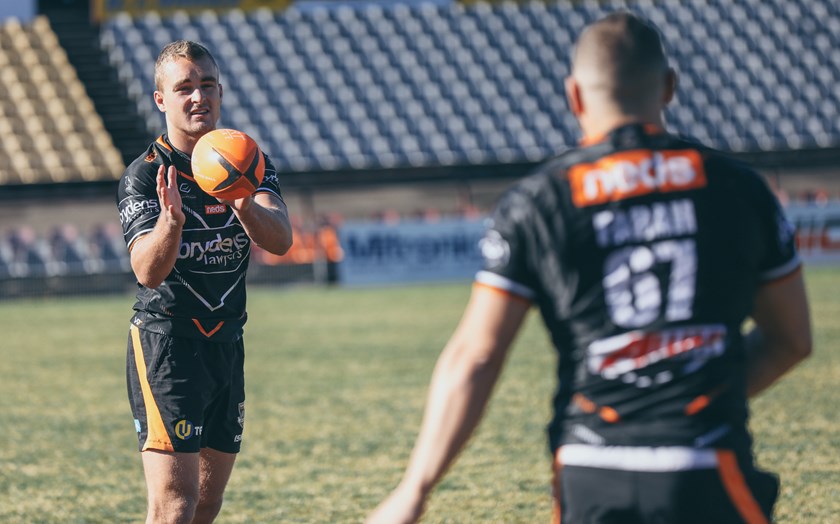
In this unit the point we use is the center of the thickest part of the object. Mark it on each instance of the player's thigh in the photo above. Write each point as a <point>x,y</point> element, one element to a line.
<point>224,420</point>
<point>215,468</point>
<point>168,389</point>
<point>171,475</point>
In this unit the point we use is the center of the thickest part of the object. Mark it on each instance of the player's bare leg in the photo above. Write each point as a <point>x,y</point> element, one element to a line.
<point>172,481</point>
<point>214,469</point>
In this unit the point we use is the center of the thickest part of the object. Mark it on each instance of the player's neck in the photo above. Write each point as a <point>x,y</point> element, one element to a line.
<point>181,141</point>
<point>595,129</point>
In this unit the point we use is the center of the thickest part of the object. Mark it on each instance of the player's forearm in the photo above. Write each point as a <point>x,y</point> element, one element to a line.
<point>458,394</point>
<point>268,227</point>
<point>153,256</point>
<point>782,334</point>
<point>769,359</point>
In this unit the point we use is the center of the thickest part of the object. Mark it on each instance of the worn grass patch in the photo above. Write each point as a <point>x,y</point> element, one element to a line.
<point>336,382</point>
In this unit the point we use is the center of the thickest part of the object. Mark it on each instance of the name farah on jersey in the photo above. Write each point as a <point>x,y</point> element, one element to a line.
<point>643,223</point>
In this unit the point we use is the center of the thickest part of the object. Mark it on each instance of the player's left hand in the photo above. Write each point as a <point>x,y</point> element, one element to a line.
<point>403,506</point>
<point>240,204</point>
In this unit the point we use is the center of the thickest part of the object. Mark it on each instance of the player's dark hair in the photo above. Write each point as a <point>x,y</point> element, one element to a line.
<point>188,49</point>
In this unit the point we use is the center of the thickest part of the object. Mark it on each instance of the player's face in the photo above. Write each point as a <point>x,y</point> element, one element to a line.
<point>191,97</point>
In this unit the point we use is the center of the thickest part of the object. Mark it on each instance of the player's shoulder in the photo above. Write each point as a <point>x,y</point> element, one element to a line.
<point>725,169</point>
<point>145,164</point>
<point>141,173</point>
<point>545,175</point>
<point>713,157</point>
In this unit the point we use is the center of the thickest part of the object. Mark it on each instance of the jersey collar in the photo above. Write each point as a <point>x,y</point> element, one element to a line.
<point>175,156</point>
<point>634,128</point>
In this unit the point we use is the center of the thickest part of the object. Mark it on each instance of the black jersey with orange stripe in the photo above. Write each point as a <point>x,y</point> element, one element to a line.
<point>643,252</point>
<point>204,295</point>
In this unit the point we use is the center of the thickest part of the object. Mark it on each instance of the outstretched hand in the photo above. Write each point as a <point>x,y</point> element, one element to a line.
<point>170,196</point>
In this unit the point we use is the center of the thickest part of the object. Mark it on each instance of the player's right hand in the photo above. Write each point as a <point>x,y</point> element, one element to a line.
<point>170,196</point>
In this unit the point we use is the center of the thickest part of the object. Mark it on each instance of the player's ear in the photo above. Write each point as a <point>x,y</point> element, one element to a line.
<point>573,96</point>
<point>158,96</point>
<point>670,86</point>
<point>221,91</point>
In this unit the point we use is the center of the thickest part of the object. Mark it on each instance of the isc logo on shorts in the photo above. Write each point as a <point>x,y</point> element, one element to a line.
<point>184,429</point>
<point>635,173</point>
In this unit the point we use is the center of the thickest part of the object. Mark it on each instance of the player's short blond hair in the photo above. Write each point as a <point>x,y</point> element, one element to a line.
<point>192,51</point>
<point>622,55</point>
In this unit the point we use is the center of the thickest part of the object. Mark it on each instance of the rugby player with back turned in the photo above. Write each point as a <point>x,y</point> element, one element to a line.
<point>190,252</point>
<point>644,253</point>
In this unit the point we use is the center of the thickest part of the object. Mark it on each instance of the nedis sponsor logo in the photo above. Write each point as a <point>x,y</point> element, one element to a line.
<point>136,208</point>
<point>185,430</point>
<point>215,209</point>
<point>635,173</point>
<point>216,250</point>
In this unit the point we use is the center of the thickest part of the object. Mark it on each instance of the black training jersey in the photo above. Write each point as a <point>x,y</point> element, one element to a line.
<point>643,253</point>
<point>204,295</point>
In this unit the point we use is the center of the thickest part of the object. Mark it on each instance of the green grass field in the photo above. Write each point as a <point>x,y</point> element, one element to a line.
<point>336,385</point>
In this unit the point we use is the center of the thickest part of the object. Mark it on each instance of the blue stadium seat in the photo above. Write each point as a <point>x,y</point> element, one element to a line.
<point>414,84</point>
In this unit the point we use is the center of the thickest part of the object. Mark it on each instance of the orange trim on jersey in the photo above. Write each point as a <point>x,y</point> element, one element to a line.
<point>737,489</point>
<point>608,414</point>
<point>635,173</point>
<point>702,401</point>
<point>585,405</point>
<point>212,331</point>
<point>557,489</point>
<point>697,405</point>
<point>162,142</point>
<point>156,435</point>
<point>513,296</point>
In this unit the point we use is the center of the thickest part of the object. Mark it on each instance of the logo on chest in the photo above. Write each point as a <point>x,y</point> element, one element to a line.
<point>215,209</point>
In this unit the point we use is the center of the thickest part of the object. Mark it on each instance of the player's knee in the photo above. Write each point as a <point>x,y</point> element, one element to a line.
<point>207,511</point>
<point>172,508</point>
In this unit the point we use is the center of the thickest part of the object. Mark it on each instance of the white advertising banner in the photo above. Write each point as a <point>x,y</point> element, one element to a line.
<point>406,252</point>
<point>817,231</point>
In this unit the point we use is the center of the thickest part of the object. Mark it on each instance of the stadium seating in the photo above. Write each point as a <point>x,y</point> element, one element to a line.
<point>356,85</point>
<point>48,123</point>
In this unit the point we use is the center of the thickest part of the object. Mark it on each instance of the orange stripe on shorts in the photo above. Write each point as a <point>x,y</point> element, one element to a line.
<point>737,489</point>
<point>156,436</point>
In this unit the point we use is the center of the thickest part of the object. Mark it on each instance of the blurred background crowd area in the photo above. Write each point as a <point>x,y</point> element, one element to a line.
<point>385,111</point>
<point>67,250</point>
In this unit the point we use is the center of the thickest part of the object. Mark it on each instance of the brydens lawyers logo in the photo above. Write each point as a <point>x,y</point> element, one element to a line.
<point>185,430</point>
<point>635,173</point>
<point>215,209</point>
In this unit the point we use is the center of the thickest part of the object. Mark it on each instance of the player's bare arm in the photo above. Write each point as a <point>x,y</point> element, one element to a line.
<point>153,255</point>
<point>265,218</point>
<point>462,382</point>
<point>782,336</point>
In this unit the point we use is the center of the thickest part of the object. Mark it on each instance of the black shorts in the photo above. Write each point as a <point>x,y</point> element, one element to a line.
<point>186,394</point>
<point>726,493</point>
